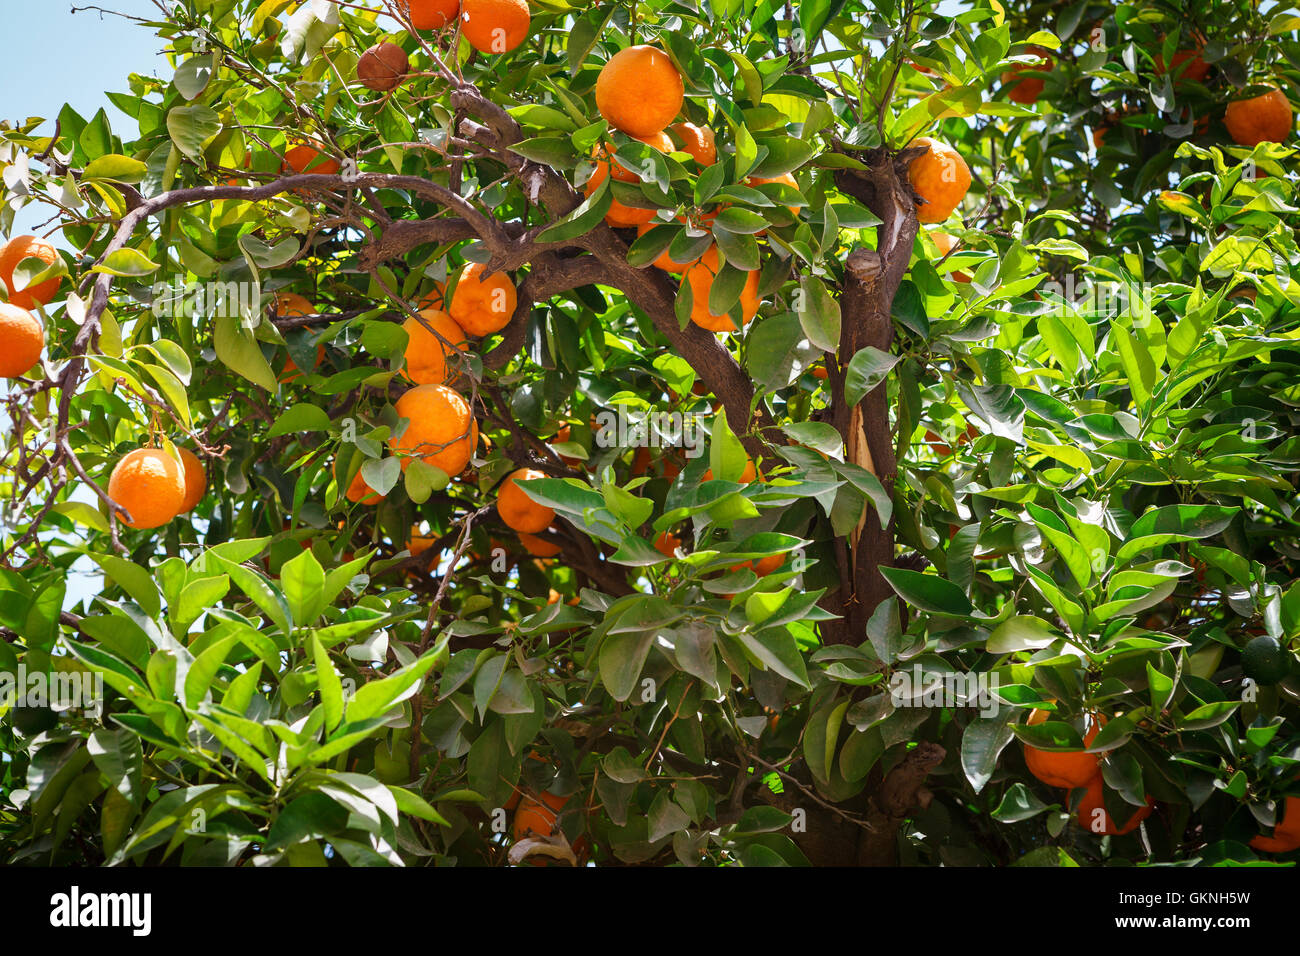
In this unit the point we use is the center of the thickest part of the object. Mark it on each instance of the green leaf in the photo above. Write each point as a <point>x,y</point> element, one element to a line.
<point>238,350</point>
<point>820,315</point>
<point>132,579</point>
<point>299,419</point>
<point>866,370</point>
<point>303,581</point>
<point>328,684</point>
<point>620,660</point>
<point>129,263</point>
<point>928,592</point>
<point>190,127</point>
<point>115,168</point>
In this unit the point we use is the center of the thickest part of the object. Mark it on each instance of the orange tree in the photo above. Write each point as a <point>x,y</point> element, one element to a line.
<point>635,433</point>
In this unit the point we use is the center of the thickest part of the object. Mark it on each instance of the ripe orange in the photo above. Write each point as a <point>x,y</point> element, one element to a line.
<point>15,251</point>
<point>698,141</point>
<point>1067,769</point>
<point>940,177</point>
<point>383,67</point>
<point>1195,70</point>
<point>483,305</point>
<point>431,14</point>
<point>538,547</point>
<point>1286,834</point>
<point>819,371</point>
<point>1027,91</point>
<point>667,544</point>
<point>196,481</point>
<point>538,817</point>
<point>1261,119</point>
<point>358,490</point>
<point>763,566</point>
<point>1102,824</point>
<point>619,215</point>
<point>746,476</point>
<point>310,154</point>
<point>21,340</point>
<point>519,511</point>
<point>428,357</point>
<point>435,298</point>
<point>945,243</point>
<point>664,261</point>
<point>293,304</point>
<point>700,276</point>
<point>442,432</point>
<point>150,484</point>
<point>494,26</point>
<point>639,90</point>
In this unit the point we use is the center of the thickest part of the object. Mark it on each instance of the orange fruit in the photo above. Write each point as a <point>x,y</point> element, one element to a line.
<point>310,154</point>
<point>383,67</point>
<point>746,476</point>
<point>15,251</point>
<point>435,298</point>
<point>698,141</point>
<point>538,547</point>
<point>1099,136</point>
<point>639,90</point>
<point>1027,91</point>
<point>196,481</point>
<point>665,262</point>
<point>419,542</point>
<point>21,340</point>
<point>428,357</point>
<point>538,817</point>
<point>1066,769</point>
<point>289,304</point>
<point>431,14</point>
<point>940,177</point>
<point>1286,834</point>
<point>482,305</point>
<point>150,484</point>
<point>819,371</point>
<point>619,215</point>
<point>519,511</point>
<point>1195,70</point>
<point>1103,825</point>
<point>442,431</point>
<point>763,566</point>
<point>945,243</point>
<point>1265,118</point>
<point>667,544</point>
<point>494,26</point>
<point>700,277</point>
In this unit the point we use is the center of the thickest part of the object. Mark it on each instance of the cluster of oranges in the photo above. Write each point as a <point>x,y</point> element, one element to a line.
<point>22,336</point>
<point>489,26</point>
<point>1074,769</point>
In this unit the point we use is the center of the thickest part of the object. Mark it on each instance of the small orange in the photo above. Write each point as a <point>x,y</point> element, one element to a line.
<point>940,177</point>
<point>1286,834</point>
<point>700,277</point>
<point>311,154</point>
<point>639,90</point>
<point>946,243</point>
<point>21,340</point>
<point>483,305</point>
<point>494,26</point>
<point>519,511</point>
<point>622,216</point>
<point>419,542</point>
<point>698,141</point>
<point>763,566</point>
<point>538,547</point>
<point>667,544</point>
<point>383,67</point>
<point>1102,824</point>
<point>14,252</point>
<point>1027,91</point>
<point>428,356</point>
<point>196,480</point>
<point>431,14</point>
<point>819,371</point>
<point>746,476</point>
<point>150,484</point>
<point>1266,118</point>
<point>442,431</point>
<point>1066,769</point>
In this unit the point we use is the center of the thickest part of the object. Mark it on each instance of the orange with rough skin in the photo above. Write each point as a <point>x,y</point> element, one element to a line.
<point>1102,824</point>
<point>429,350</point>
<point>14,252</point>
<point>482,304</point>
<point>940,177</point>
<point>622,216</point>
<point>150,484</point>
<point>311,154</point>
<point>946,243</point>
<point>383,67</point>
<point>1066,769</point>
<point>1027,91</point>
<point>1266,118</point>
<point>442,431</point>
<point>431,14</point>
<point>21,340</point>
<point>196,480</point>
<point>639,90</point>
<point>538,547</point>
<point>700,277</point>
<point>519,511</point>
<point>698,141</point>
<point>494,26</point>
<point>1286,833</point>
